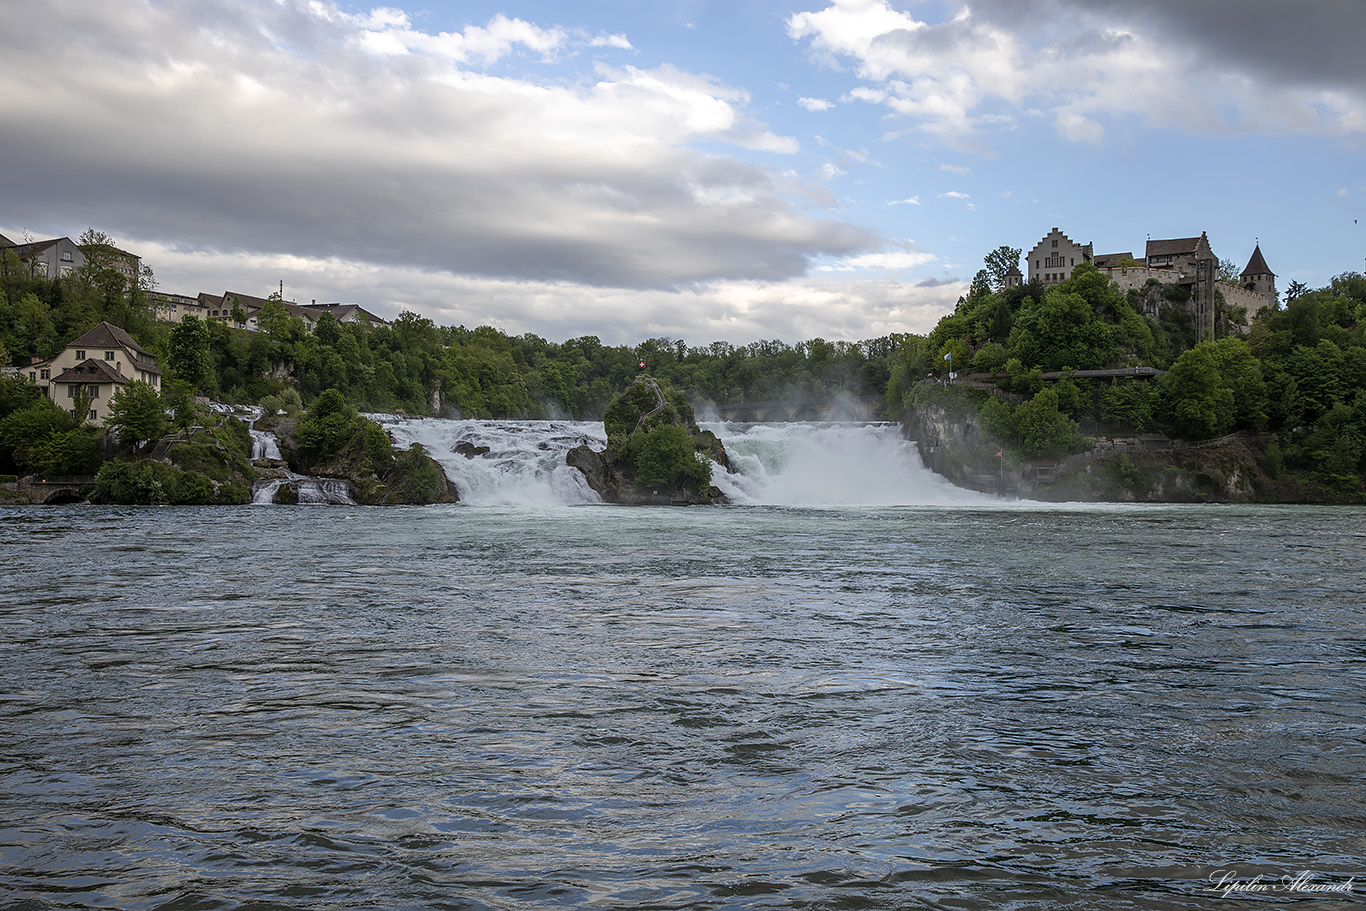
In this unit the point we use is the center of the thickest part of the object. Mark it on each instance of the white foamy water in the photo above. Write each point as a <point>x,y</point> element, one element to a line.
<point>853,464</point>
<point>780,464</point>
<point>524,464</point>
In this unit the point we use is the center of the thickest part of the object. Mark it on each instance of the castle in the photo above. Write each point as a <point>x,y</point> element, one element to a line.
<point>1186,262</point>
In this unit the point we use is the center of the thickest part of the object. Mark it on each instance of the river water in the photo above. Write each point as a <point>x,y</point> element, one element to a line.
<point>531,702</point>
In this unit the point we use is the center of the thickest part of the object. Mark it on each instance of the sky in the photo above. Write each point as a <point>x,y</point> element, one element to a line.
<point>706,170</point>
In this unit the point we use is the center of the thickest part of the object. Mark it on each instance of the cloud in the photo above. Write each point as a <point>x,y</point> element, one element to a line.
<point>825,305</point>
<point>961,170</point>
<point>261,126</point>
<point>954,194</point>
<point>910,256</point>
<point>1168,63</point>
<point>909,201</point>
<point>815,104</point>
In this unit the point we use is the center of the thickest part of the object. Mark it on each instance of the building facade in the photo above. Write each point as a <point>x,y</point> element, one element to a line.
<point>98,364</point>
<point>1053,258</point>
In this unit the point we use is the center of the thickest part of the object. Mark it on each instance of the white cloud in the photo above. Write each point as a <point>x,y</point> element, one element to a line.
<point>954,194</point>
<point>270,125</point>
<point>961,170</point>
<point>909,201</point>
<point>1078,64</point>
<point>833,307</point>
<point>619,42</point>
<point>815,104</point>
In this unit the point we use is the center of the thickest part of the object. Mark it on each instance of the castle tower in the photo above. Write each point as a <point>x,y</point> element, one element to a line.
<point>1258,277</point>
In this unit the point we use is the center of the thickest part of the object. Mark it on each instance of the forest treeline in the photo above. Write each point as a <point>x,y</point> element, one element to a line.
<point>1297,374</point>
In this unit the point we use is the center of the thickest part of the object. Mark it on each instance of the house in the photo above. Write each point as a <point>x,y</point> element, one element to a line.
<point>349,313</point>
<point>100,363</point>
<point>49,258</point>
<point>61,256</point>
<point>250,307</point>
<point>171,308</point>
<point>1053,258</point>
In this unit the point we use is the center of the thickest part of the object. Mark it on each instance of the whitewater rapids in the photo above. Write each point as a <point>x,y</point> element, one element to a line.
<point>779,464</point>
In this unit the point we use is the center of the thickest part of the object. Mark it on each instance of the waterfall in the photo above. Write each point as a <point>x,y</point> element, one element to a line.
<point>309,491</point>
<point>795,464</point>
<point>263,492</point>
<point>504,462</point>
<point>845,464</point>
<point>265,445</point>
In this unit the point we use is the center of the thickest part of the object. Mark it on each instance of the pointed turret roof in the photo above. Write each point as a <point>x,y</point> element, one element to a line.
<point>1257,265</point>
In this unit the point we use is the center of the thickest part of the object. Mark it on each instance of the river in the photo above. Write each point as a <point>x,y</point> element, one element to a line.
<point>856,688</point>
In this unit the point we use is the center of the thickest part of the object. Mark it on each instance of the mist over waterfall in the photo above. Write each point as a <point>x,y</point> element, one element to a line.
<point>845,464</point>
<point>779,464</point>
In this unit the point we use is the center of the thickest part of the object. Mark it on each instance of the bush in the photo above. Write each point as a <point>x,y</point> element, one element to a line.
<point>666,457</point>
<point>233,493</point>
<point>418,477</point>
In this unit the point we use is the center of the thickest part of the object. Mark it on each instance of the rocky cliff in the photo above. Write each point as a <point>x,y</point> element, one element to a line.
<point>1147,468</point>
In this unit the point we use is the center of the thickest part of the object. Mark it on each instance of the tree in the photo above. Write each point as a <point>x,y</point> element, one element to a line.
<point>137,413</point>
<point>1295,291</point>
<point>188,356</point>
<point>1228,271</point>
<point>1045,432</point>
<point>1198,404</point>
<point>999,262</point>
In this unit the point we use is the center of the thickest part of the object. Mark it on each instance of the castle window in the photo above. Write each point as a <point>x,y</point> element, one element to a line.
<point>109,355</point>
<point>80,354</point>
<point>1055,241</point>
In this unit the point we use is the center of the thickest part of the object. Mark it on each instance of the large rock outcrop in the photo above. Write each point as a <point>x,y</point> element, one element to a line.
<point>656,455</point>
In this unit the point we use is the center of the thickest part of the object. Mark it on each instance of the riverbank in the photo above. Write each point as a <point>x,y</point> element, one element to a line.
<point>1117,466</point>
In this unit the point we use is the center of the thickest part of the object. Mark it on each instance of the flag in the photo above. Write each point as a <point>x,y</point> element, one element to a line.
<point>949,355</point>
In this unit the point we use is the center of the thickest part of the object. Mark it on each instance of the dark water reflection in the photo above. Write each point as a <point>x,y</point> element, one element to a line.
<point>743,708</point>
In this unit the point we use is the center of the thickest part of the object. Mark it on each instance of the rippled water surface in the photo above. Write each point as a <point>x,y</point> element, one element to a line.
<point>531,707</point>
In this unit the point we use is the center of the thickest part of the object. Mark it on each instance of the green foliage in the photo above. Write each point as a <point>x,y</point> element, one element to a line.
<point>1131,403</point>
<point>1045,432</point>
<point>999,262</point>
<point>417,479</point>
<point>187,354</point>
<point>665,457</point>
<point>1197,403</point>
<point>233,494</point>
<point>27,420</point>
<point>137,413</point>
<point>1214,389</point>
<point>69,452</point>
<point>651,429</point>
<point>333,431</point>
<point>151,483</point>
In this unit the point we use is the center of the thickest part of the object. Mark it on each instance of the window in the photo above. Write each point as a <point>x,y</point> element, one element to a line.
<point>40,269</point>
<point>1055,241</point>
<point>80,355</point>
<point>45,373</point>
<point>94,391</point>
<point>33,376</point>
<point>93,416</point>
<point>109,355</point>
<point>71,394</point>
<point>66,256</point>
